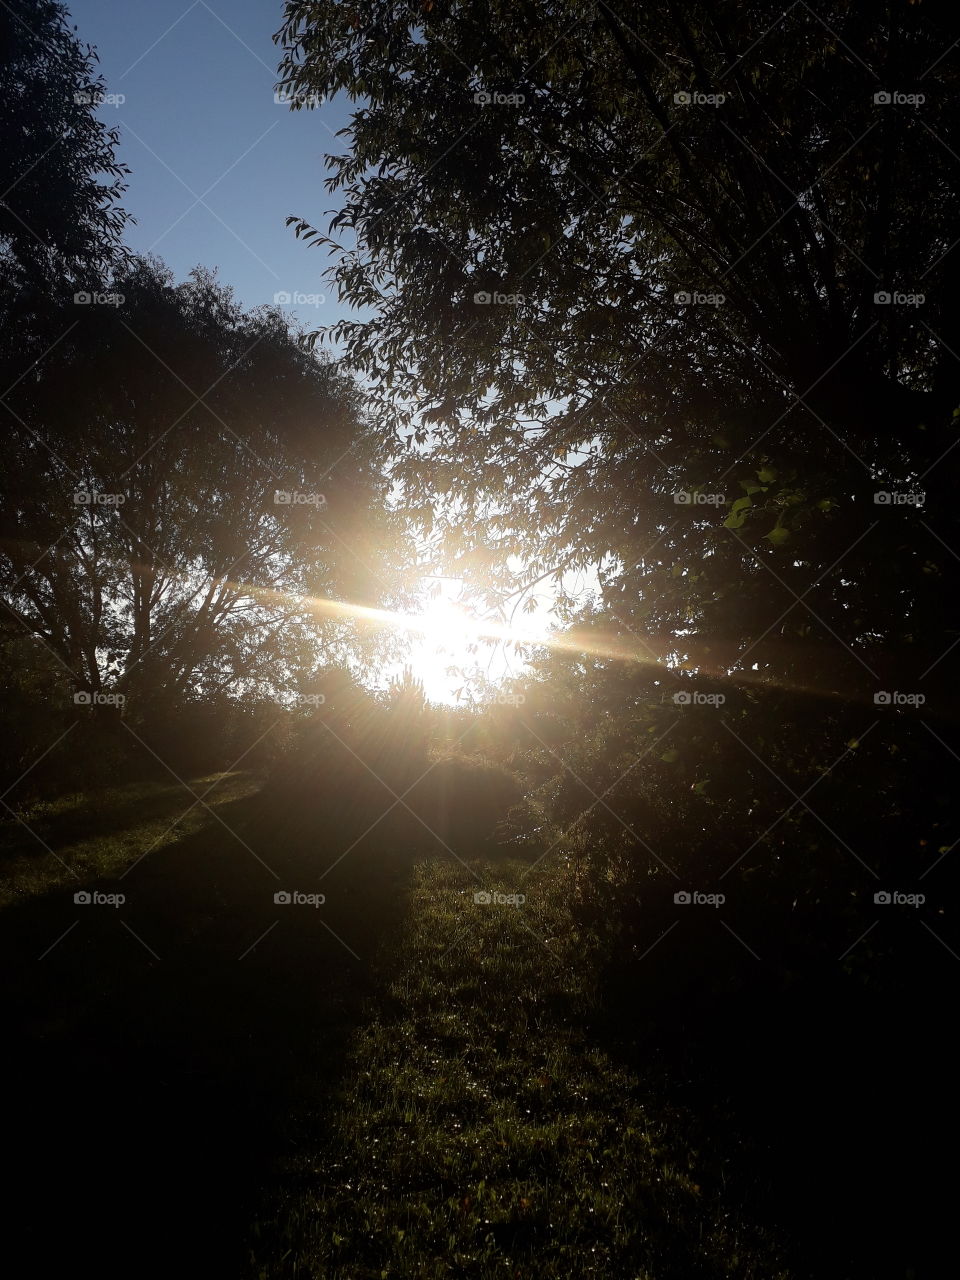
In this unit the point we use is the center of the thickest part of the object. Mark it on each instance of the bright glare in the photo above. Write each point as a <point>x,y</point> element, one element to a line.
<point>446,624</point>
<point>447,636</point>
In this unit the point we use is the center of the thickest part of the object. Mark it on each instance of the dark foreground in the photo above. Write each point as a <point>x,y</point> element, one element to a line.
<point>405,1082</point>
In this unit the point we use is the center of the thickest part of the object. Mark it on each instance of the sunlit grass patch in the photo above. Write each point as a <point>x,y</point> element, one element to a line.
<point>479,1133</point>
<point>104,832</point>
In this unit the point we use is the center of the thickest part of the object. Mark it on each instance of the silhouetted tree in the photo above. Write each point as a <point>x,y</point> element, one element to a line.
<point>641,253</point>
<point>184,486</point>
<point>60,224</point>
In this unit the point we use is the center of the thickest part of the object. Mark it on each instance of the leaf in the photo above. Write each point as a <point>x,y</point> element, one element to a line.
<point>767,474</point>
<point>738,513</point>
<point>778,535</point>
<point>670,757</point>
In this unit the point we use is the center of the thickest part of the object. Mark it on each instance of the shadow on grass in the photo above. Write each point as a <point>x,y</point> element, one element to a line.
<point>832,1091</point>
<point>158,1040</point>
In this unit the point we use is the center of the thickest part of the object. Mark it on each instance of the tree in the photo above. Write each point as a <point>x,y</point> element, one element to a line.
<point>184,486</point>
<point>59,176</point>
<point>666,293</point>
<point>616,257</point>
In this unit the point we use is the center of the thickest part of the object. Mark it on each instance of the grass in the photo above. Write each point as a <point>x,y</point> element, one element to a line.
<point>478,1132</point>
<point>410,1083</point>
<point>80,838</point>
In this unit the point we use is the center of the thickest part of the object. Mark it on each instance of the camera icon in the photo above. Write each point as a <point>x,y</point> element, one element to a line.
<point>882,498</point>
<point>483,897</point>
<point>482,299</point>
<point>682,298</point>
<point>682,699</point>
<point>882,898</point>
<point>882,299</point>
<point>282,898</point>
<point>882,699</point>
<point>82,299</point>
<point>682,99</point>
<point>682,898</point>
<point>282,498</point>
<point>882,98</point>
<point>481,98</point>
<point>82,699</point>
<point>683,498</point>
<point>282,298</point>
<point>82,898</point>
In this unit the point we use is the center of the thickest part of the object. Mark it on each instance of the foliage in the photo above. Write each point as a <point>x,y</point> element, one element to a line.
<point>182,481</point>
<point>563,426</point>
<point>797,809</point>
<point>58,169</point>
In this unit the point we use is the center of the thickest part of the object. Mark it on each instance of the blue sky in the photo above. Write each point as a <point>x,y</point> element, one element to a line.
<point>199,120</point>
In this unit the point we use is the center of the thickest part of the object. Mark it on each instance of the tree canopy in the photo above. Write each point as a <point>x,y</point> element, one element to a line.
<point>59,176</point>
<point>181,480</point>
<point>668,294</point>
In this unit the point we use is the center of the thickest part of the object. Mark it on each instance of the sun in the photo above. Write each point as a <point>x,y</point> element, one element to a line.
<point>481,651</point>
<point>447,624</point>
<point>445,636</point>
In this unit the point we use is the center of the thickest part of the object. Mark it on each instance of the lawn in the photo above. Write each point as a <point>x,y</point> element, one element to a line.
<point>478,1132</point>
<point>78,838</point>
